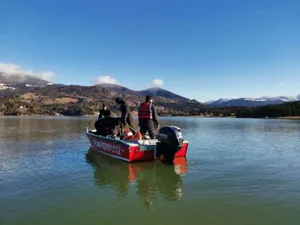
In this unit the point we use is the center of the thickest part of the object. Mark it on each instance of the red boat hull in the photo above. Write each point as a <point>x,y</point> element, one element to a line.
<point>129,151</point>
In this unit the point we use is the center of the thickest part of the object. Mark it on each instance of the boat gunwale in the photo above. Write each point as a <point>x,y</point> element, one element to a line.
<point>113,140</point>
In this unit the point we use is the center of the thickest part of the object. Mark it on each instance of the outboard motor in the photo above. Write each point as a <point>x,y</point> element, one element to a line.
<point>169,142</point>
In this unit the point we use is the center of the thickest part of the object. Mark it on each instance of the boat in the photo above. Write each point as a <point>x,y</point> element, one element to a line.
<point>149,180</point>
<point>169,144</point>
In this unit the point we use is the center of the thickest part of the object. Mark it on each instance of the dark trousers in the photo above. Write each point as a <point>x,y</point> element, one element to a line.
<point>147,125</point>
<point>129,123</point>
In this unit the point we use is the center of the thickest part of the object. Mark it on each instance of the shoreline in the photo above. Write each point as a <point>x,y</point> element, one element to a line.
<point>289,117</point>
<point>198,116</point>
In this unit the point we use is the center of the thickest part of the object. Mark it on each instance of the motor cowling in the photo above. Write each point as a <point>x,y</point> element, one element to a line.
<point>169,142</point>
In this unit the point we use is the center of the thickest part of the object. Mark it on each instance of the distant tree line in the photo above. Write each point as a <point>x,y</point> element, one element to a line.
<point>283,110</point>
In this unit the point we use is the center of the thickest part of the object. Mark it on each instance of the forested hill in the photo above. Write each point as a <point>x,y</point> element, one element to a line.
<point>28,95</point>
<point>289,109</point>
<point>86,100</point>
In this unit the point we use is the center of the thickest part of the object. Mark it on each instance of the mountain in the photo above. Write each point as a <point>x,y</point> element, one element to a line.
<point>155,91</point>
<point>217,102</point>
<point>39,96</point>
<point>251,102</point>
<point>86,100</point>
<point>12,81</point>
<point>114,87</point>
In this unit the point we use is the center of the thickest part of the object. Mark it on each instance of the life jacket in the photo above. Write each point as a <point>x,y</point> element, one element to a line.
<point>128,133</point>
<point>137,136</point>
<point>145,111</point>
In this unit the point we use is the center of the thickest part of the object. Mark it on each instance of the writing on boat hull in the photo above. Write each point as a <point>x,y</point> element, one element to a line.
<point>111,148</point>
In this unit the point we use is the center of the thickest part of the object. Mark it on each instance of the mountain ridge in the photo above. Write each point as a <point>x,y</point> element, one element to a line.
<point>252,102</point>
<point>155,91</point>
<point>15,80</point>
<point>48,98</point>
<point>23,82</point>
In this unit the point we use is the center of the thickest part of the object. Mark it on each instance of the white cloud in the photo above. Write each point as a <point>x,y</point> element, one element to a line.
<point>157,82</point>
<point>105,79</point>
<point>10,68</point>
<point>46,75</point>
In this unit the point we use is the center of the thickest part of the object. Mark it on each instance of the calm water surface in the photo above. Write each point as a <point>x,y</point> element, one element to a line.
<point>238,171</point>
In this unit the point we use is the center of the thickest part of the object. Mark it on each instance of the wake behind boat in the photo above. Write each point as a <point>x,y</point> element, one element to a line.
<point>167,145</point>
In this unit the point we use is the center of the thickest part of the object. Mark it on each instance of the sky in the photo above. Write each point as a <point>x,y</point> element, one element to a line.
<point>203,50</point>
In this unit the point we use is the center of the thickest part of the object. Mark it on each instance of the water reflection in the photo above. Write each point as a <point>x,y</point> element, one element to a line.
<point>42,128</point>
<point>32,128</point>
<point>149,179</point>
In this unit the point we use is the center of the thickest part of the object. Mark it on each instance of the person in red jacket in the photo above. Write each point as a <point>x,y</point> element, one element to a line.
<point>148,119</point>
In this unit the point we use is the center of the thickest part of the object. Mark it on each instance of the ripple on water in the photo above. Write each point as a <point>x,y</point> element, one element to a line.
<point>238,171</point>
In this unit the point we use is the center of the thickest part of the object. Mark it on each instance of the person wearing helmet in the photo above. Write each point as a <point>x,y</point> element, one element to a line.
<point>148,118</point>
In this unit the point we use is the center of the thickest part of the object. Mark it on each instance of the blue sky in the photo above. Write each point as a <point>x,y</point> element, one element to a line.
<point>200,49</point>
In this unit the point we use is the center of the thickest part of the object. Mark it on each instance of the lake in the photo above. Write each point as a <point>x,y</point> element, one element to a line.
<point>237,172</point>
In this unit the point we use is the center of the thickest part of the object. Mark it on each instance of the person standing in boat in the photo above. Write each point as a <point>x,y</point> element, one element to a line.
<point>104,112</point>
<point>126,116</point>
<point>148,119</point>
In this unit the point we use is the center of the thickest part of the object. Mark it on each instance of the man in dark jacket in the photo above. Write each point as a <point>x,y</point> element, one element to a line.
<point>148,119</point>
<point>104,112</point>
<point>126,116</point>
<point>106,126</point>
